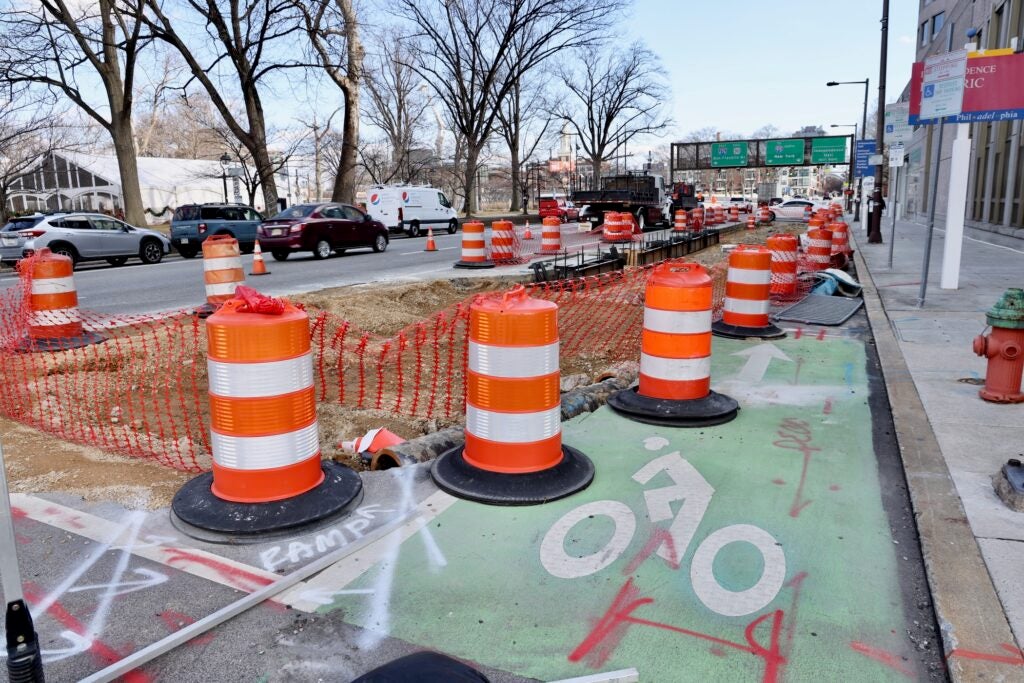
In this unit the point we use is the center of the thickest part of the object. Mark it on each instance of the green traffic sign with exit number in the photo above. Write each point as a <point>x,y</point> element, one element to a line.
<point>726,154</point>
<point>829,151</point>
<point>784,152</point>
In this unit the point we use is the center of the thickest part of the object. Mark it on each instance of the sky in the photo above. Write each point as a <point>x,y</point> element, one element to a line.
<point>740,64</point>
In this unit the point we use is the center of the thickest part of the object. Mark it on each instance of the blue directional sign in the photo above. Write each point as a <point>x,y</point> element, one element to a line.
<point>865,148</point>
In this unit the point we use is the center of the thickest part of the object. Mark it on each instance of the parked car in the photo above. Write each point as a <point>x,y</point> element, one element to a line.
<point>560,208</point>
<point>193,223</point>
<point>93,237</point>
<point>11,241</point>
<point>321,229</point>
<point>791,209</point>
<point>411,209</point>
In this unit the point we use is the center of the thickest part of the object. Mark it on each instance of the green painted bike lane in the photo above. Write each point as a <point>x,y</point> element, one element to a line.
<point>755,550</point>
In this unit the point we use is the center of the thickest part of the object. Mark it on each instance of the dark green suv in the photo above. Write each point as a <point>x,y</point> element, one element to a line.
<point>193,223</point>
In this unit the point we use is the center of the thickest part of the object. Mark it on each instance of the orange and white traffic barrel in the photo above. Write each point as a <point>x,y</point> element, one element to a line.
<point>681,223</point>
<point>719,215</point>
<point>784,262</point>
<point>751,222</point>
<point>697,219</point>
<point>54,321</point>
<point>222,268</point>
<point>618,227</point>
<point>551,236</point>
<point>503,238</point>
<point>675,353</point>
<point>474,247</point>
<point>734,214</point>
<point>747,285</point>
<point>764,215</point>
<point>267,470</point>
<point>819,248</point>
<point>840,237</point>
<point>513,453</point>
<point>807,213</point>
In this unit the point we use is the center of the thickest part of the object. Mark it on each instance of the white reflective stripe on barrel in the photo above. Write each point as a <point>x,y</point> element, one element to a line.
<point>53,285</point>
<point>265,452</point>
<point>746,276</point>
<point>513,427</point>
<point>222,263</point>
<point>746,306</point>
<point>675,369</point>
<point>218,288</point>
<point>513,361</point>
<point>473,252</point>
<point>677,322</point>
<point>253,380</point>
<point>56,316</point>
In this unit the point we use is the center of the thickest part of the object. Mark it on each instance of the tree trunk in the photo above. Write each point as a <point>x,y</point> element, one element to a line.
<point>5,214</point>
<point>345,180</point>
<point>265,172</point>
<point>469,179</point>
<point>516,190</point>
<point>595,170</point>
<point>128,167</point>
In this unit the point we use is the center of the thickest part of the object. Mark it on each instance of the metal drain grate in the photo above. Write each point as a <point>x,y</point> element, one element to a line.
<point>820,310</point>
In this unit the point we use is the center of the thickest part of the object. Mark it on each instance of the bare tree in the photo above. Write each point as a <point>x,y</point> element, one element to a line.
<point>28,132</point>
<point>333,31</point>
<point>395,104</point>
<point>523,120</point>
<point>464,53</point>
<point>65,47</point>
<point>155,96</point>
<point>243,36</point>
<point>705,134</point>
<point>319,136</point>
<point>613,98</point>
<point>766,132</point>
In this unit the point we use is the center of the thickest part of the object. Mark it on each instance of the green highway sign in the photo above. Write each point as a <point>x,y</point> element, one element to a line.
<point>728,154</point>
<point>829,151</point>
<point>784,152</point>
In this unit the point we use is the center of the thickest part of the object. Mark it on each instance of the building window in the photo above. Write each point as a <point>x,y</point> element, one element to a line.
<point>924,34</point>
<point>937,22</point>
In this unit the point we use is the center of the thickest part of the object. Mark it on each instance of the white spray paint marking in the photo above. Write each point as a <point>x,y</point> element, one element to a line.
<point>79,644</point>
<point>99,617</point>
<point>151,579</point>
<point>655,443</point>
<point>782,394</point>
<point>323,596</point>
<point>278,556</point>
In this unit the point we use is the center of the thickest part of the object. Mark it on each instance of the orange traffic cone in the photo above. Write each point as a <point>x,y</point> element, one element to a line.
<point>527,235</point>
<point>431,245</point>
<point>258,266</point>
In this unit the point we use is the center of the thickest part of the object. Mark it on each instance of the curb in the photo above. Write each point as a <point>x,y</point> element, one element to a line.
<point>968,610</point>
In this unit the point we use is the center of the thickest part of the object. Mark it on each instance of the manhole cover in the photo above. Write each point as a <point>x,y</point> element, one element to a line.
<point>820,310</point>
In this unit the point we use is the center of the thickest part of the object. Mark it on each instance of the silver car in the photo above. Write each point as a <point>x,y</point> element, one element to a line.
<point>11,241</point>
<point>91,237</point>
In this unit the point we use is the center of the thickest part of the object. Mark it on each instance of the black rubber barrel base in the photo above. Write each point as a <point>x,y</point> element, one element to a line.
<point>713,409</point>
<point>769,331</point>
<point>453,474</point>
<point>61,343</point>
<point>197,512</point>
<point>473,264</point>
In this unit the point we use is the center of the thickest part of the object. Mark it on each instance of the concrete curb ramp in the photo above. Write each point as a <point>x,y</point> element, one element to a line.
<point>970,615</point>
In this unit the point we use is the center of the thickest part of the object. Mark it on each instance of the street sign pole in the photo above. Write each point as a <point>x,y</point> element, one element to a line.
<point>24,661</point>
<point>956,207</point>
<point>892,207</point>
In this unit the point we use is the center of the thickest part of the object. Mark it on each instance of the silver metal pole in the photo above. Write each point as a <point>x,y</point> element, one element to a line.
<point>9,571</point>
<point>892,207</point>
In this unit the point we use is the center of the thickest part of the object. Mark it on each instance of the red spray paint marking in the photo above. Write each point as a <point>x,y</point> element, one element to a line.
<point>887,658</point>
<point>18,513</point>
<point>176,620</point>
<point>103,653</point>
<point>24,540</point>
<point>599,644</point>
<point>1016,656</point>
<point>239,578</point>
<point>658,536</point>
<point>795,434</point>
<point>821,336</point>
<point>827,408</point>
<point>799,333</point>
<point>70,520</point>
<point>797,584</point>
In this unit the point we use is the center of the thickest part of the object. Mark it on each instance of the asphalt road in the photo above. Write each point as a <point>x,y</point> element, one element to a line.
<point>178,283</point>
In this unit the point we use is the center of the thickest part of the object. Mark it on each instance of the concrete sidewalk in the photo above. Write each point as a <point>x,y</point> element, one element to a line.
<point>975,437</point>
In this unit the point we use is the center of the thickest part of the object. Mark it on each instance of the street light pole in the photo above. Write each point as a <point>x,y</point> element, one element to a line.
<point>863,134</point>
<point>875,222</point>
<point>225,159</point>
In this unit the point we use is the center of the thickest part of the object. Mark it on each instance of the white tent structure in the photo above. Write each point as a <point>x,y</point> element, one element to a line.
<point>73,181</point>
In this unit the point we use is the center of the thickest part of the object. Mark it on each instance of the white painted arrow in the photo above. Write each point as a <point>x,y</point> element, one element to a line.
<point>758,359</point>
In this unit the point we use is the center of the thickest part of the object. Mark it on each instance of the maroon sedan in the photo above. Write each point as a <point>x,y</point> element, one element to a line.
<point>321,229</point>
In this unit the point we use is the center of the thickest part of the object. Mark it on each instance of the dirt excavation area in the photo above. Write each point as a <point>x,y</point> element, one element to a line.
<point>143,409</point>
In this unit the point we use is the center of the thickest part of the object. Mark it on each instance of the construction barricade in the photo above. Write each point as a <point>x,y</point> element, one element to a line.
<point>734,214</point>
<point>503,242</point>
<point>784,264</point>
<point>267,471</point>
<point>675,354</point>
<point>819,247</point>
<point>745,312</point>
<point>764,215</point>
<point>513,453</point>
<point>697,219</point>
<point>222,270</point>
<point>681,223</point>
<point>751,222</point>
<point>618,227</point>
<point>474,247</point>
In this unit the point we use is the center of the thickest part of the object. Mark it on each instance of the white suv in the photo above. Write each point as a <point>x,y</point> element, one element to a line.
<point>88,237</point>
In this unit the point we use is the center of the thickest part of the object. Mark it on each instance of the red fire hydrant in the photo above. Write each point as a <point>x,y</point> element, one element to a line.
<point>1004,348</point>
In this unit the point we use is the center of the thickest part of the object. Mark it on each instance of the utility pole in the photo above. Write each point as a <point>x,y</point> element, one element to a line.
<point>875,222</point>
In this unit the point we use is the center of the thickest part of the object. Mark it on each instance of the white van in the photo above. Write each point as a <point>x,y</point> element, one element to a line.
<point>411,208</point>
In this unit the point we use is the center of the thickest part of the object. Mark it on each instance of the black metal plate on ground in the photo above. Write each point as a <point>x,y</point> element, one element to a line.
<point>821,310</point>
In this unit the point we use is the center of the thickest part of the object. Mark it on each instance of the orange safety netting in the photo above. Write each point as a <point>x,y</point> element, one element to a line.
<point>142,390</point>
